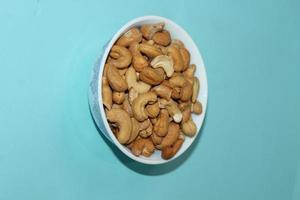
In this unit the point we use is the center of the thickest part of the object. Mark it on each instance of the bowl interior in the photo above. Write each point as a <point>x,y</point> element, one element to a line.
<point>176,33</point>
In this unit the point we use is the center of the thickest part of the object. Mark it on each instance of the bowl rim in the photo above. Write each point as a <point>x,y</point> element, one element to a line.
<point>101,108</point>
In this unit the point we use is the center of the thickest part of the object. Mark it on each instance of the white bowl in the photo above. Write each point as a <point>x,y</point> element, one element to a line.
<point>95,99</point>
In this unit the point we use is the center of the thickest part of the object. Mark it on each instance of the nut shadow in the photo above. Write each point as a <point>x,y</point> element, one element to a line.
<point>152,170</point>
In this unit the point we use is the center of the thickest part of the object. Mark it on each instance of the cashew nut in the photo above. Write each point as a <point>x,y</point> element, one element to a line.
<point>122,119</point>
<point>162,123</point>
<point>124,58</point>
<point>146,132</point>
<point>186,91</point>
<point>189,128</point>
<point>106,93</point>
<point>177,81</point>
<point>150,50</point>
<point>139,103</point>
<point>156,139</point>
<point>164,62</point>
<point>197,108</point>
<point>148,30</point>
<point>189,73</point>
<point>196,88</point>
<point>186,114</point>
<point>177,58</point>
<point>152,76</point>
<point>162,38</point>
<point>177,43</point>
<point>169,151</point>
<point>163,91</point>
<point>143,147</point>
<point>118,97</point>
<point>176,93</point>
<point>185,54</point>
<point>173,109</point>
<point>139,61</point>
<point>132,82</point>
<point>115,80</point>
<point>171,137</point>
<point>153,110</point>
<point>131,36</point>
<point>135,130</point>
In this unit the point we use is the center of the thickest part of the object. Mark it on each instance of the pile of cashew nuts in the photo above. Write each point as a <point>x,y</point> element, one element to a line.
<point>149,91</point>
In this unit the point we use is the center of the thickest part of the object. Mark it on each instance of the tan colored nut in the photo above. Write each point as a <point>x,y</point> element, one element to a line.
<point>189,73</point>
<point>152,76</point>
<point>196,88</point>
<point>144,124</point>
<point>186,114</point>
<point>126,106</point>
<point>148,30</point>
<point>132,94</point>
<point>123,60</point>
<point>162,38</point>
<point>186,91</point>
<point>150,50</point>
<point>189,128</point>
<point>174,111</point>
<point>185,54</point>
<point>163,91</point>
<point>171,137</point>
<point>143,147</point>
<point>115,80</point>
<point>139,103</point>
<point>153,120</point>
<point>132,82</point>
<point>170,151</point>
<point>106,93</point>
<point>139,61</point>
<point>146,132</point>
<point>105,70</point>
<point>153,110</point>
<point>118,97</point>
<point>176,93</point>
<point>135,130</point>
<point>164,62</point>
<point>156,139</point>
<point>162,124</point>
<point>122,119</point>
<point>177,58</point>
<point>197,108</point>
<point>131,36</point>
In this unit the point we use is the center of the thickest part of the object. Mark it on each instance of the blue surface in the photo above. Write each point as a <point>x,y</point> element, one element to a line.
<point>249,147</point>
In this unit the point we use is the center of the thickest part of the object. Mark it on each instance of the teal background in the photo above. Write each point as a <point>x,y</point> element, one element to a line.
<point>249,146</point>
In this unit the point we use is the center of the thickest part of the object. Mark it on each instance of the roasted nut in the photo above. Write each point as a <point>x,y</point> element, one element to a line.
<point>143,147</point>
<point>171,137</point>
<point>132,82</point>
<point>186,114</point>
<point>124,58</point>
<point>189,128</point>
<point>197,108</point>
<point>115,80</point>
<point>189,73</point>
<point>131,36</point>
<point>150,50</point>
<point>162,38</point>
<point>156,139</point>
<point>162,123</point>
<point>139,61</point>
<point>132,94</point>
<point>185,54</point>
<point>146,132</point>
<point>126,106</point>
<point>118,97</point>
<point>106,93</point>
<point>164,62</point>
<point>148,30</point>
<point>135,130</point>
<point>186,91</point>
<point>122,119</point>
<point>177,58</point>
<point>151,76</point>
<point>169,151</point>
<point>196,88</point>
<point>139,103</point>
<point>173,109</point>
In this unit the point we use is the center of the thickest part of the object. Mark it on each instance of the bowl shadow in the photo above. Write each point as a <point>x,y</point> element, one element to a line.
<point>152,170</point>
